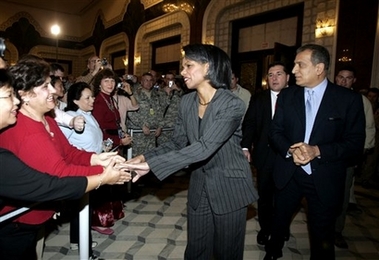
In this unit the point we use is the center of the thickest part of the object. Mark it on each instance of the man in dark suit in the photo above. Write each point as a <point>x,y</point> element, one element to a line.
<point>317,127</point>
<point>255,130</point>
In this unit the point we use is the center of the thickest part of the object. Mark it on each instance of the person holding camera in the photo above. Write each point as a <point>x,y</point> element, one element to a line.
<point>125,99</point>
<point>94,65</point>
<point>174,93</point>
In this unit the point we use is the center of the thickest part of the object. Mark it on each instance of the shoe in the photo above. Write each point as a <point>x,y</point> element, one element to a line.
<point>93,257</point>
<point>339,241</point>
<point>353,209</point>
<point>102,230</point>
<point>262,238</point>
<point>75,246</point>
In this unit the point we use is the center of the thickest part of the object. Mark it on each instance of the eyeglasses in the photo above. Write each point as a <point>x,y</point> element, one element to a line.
<point>12,95</point>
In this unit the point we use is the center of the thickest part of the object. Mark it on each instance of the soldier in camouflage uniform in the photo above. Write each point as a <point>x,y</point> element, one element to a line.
<point>149,116</point>
<point>172,93</point>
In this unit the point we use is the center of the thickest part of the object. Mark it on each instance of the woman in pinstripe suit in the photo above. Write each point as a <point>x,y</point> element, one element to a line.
<point>207,137</point>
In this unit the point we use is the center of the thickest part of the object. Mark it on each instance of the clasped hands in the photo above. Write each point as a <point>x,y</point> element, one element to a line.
<point>136,165</point>
<point>115,171</point>
<point>303,153</point>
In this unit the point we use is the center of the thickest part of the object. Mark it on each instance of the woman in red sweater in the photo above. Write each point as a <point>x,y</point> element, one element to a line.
<point>20,182</point>
<point>37,140</point>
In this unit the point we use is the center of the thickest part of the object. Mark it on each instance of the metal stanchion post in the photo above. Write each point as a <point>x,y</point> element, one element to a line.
<point>129,156</point>
<point>84,228</point>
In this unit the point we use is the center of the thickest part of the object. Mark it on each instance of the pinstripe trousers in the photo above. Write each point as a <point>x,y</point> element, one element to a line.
<point>219,235</point>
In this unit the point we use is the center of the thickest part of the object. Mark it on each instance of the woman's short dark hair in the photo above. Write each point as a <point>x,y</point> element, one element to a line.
<point>319,54</point>
<point>103,74</point>
<point>220,69</point>
<point>6,78</point>
<point>29,73</point>
<point>75,93</point>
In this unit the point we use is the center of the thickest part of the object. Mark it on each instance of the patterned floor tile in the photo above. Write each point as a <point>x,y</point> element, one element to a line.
<point>154,227</point>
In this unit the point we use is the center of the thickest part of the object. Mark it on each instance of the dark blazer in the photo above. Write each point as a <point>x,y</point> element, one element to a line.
<point>20,182</point>
<point>338,130</point>
<point>255,128</point>
<point>212,148</point>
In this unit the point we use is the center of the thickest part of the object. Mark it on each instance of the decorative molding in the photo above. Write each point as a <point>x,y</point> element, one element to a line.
<point>149,3</point>
<point>171,24</point>
<point>15,18</point>
<point>113,44</point>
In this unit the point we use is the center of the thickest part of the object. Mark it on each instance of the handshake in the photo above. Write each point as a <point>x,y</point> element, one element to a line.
<point>118,170</point>
<point>303,153</point>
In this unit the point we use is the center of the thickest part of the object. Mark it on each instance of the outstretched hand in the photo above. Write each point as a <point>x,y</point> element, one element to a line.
<point>104,159</point>
<point>138,166</point>
<point>114,174</point>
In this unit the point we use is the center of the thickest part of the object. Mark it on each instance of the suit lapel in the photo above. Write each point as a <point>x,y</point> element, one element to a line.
<point>299,104</point>
<point>193,117</point>
<point>267,104</point>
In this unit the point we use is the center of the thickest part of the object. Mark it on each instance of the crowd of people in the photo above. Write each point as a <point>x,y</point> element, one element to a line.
<point>313,140</point>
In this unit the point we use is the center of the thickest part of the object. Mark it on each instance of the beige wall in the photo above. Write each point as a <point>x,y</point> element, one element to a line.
<point>219,14</point>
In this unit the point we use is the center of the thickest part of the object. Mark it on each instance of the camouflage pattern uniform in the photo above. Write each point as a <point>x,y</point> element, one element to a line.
<point>150,114</point>
<point>172,104</point>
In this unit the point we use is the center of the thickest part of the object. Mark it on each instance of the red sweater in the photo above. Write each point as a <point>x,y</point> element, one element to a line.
<point>45,152</point>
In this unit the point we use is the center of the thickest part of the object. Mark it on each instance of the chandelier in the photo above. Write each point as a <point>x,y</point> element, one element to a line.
<point>168,8</point>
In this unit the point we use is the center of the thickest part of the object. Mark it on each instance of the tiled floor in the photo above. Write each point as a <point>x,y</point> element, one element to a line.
<point>154,227</point>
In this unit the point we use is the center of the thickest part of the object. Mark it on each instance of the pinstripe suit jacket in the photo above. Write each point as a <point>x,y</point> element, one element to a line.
<point>212,148</point>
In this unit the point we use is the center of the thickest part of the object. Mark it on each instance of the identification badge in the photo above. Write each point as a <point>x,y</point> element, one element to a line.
<point>152,111</point>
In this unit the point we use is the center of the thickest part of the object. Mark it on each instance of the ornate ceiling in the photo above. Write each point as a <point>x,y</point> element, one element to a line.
<point>73,7</point>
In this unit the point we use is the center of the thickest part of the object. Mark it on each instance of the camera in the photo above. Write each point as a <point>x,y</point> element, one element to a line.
<point>170,83</point>
<point>104,62</point>
<point>119,85</point>
<point>2,47</point>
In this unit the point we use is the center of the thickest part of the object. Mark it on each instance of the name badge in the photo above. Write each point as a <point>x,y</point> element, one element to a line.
<point>152,111</point>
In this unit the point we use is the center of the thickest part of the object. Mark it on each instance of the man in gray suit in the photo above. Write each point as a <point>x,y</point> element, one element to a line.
<point>207,137</point>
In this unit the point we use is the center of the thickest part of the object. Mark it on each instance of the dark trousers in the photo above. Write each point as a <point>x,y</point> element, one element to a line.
<point>266,188</point>
<point>18,241</point>
<point>209,234</point>
<point>321,217</point>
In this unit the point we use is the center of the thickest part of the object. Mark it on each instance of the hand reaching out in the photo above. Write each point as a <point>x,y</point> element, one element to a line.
<point>138,166</point>
<point>114,174</point>
<point>104,159</point>
<point>140,169</point>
